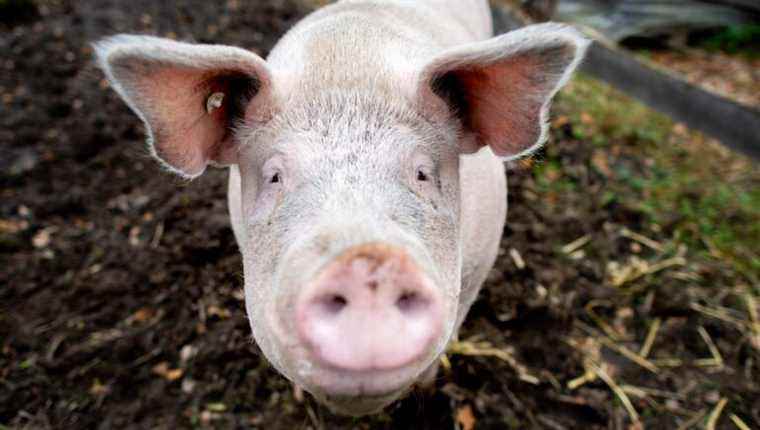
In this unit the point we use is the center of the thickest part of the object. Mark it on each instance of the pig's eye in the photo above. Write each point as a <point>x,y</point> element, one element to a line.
<point>272,171</point>
<point>424,170</point>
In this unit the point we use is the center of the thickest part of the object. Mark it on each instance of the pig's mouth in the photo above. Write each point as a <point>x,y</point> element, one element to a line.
<point>361,393</point>
<point>362,405</point>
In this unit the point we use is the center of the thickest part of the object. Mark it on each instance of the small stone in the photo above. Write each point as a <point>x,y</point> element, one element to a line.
<point>187,353</point>
<point>188,385</point>
<point>24,161</point>
<point>134,236</point>
<point>42,238</point>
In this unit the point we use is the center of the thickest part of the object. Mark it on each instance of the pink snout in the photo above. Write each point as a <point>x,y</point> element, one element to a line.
<point>371,309</point>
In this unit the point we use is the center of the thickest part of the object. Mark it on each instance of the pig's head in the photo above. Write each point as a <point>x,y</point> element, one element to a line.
<point>348,202</point>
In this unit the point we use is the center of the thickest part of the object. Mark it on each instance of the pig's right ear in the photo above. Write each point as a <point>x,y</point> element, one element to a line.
<point>189,96</point>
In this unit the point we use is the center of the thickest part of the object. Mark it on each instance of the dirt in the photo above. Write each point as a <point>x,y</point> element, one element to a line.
<point>121,302</point>
<point>732,76</point>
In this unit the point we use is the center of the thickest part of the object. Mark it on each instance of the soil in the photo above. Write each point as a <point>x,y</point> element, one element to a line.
<point>731,76</point>
<point>121,302</point>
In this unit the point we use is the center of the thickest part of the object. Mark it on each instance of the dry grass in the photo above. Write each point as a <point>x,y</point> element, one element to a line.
<point>699,252</point>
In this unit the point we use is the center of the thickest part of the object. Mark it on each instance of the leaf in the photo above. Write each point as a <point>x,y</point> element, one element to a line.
<point>142,315</point>
<point>465,418</point>
<point>162,369</point>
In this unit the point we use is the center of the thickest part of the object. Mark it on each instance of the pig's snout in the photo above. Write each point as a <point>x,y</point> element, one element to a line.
<point>371,309</point>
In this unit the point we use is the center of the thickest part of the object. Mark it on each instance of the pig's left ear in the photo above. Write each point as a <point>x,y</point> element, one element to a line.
<point>189,96</point>
<point>501,88</point>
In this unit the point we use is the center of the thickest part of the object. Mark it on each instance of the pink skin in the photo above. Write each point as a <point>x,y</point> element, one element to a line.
<point>362,99</point>
<point>369,311</point>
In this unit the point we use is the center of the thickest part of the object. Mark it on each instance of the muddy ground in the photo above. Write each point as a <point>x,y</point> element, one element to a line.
<point>120,285</point>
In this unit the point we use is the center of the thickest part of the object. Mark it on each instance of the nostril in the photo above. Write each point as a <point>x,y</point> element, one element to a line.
<point>410,302</point>
<point>333,303</point>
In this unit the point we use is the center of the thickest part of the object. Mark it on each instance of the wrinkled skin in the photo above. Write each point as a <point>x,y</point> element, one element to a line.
<point>366,150</point>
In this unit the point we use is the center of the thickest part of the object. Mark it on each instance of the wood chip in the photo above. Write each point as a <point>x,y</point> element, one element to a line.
<point>162,369</point>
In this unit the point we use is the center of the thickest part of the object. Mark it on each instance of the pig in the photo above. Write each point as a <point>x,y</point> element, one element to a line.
<point>367,189</point>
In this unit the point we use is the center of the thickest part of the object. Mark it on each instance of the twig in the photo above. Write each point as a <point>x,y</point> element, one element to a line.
<point>157,235</point>
<point>576,244</point>
<point>588,376</point>
<point>693,420</point>
<point>677,362</point>
<point>552,379</point>
<point>715,414</point>
<point>445,362</point>
<point>711,345</point>
<point>664,264</point>
<point>547,422</point>
<point>315,420</point>
<point>642,239</point>
<point>754,320</point>
<point>651,335</point>
<point>723,316</point>
<point>485,349</point>
<point>641,268</point>
<point>668,362</point>
<point>653,392</point>
<point>634,391</point>
<point>617,390</point>
<point>738,422</point>
<point>627,353</point>
<point>606,328</point>
<point>707,362</point>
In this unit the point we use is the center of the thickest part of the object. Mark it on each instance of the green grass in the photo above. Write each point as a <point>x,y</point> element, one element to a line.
<point>736,39</point>
<point>707,213</point>
<point>704,196</point>
<point>613,116</point>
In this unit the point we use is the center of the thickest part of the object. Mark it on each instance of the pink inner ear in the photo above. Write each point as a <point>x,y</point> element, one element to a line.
<point>174,102</point>
<point>504,102</point>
